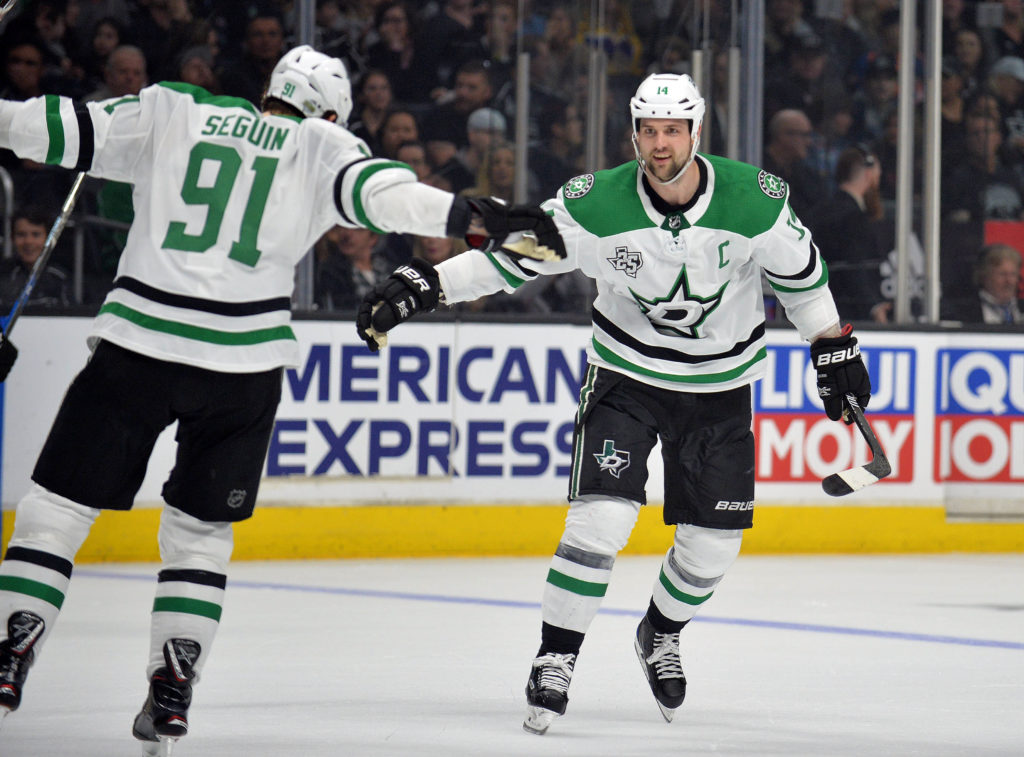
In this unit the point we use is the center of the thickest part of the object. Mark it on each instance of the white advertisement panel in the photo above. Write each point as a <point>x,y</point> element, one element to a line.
<point>475,412</point>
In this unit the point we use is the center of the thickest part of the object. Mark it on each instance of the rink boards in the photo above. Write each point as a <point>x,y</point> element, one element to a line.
<point>457,440</point>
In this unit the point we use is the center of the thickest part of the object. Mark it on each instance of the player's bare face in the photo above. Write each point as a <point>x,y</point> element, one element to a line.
<point>664,144</point>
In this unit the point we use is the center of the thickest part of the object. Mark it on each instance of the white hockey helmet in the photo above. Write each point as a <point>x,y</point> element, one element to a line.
<point>668,96</point>
<point>312,83</point>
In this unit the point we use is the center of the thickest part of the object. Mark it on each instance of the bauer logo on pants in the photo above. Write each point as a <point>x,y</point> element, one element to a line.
<point>612,460</point>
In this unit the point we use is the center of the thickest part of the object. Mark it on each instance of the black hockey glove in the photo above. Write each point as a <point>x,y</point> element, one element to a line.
<point>840,372</point>
<point>540,238</point>
<point>411,289</point>
<point>8,354</point>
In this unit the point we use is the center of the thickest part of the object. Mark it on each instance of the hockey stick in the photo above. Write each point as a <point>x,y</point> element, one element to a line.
<point>6,7</point>
<point>844,482</point>
<point>7,322</point>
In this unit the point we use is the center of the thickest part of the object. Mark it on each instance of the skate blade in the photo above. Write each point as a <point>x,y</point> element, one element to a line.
<point>538,720</point>
<point>161,748</point>
<point>666,712</point>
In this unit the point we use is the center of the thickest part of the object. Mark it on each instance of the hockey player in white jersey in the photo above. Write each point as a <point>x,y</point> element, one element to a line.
<point>677,242</point>
<point>196,329</point>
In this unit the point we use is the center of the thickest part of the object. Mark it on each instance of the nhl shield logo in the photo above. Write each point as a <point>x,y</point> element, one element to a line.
<point>578,186</point>
<point>771,185</point>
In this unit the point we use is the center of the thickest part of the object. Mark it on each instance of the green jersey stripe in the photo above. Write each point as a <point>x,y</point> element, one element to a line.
<point>357,191</point>
<point>681,595</point>
<point>187,606</point>
<point>510,278</point>
<point>55,130</point>
<point>202,97</point>
<point>199,333</point>
<point>704,378</point>
<point>32,589</point>
<point>575,585</point>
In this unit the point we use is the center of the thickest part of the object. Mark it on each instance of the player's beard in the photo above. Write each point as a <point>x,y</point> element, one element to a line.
<point>666,172</point>
<point>873,204</point>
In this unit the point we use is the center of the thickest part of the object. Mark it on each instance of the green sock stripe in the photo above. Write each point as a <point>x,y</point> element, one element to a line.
<point>679,595</point>
<point>575,585</point>
<point>188,606</point>
<point>32,588</point>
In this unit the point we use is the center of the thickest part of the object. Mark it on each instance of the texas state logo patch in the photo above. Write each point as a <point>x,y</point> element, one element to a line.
<point>578,186</point>
<point>771,185</point>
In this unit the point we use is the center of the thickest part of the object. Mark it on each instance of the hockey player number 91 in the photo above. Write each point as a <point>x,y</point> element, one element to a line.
<point>216,196</point>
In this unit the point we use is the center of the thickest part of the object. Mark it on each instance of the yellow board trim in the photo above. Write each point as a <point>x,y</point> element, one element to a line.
<point>523,530</point>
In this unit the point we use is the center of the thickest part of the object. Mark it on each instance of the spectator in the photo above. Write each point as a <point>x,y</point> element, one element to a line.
<point>449,39</point>
<point>790,135</point>
<point>785,26</point>
<point>873,104</point>
<point>447,123</point>
<point>1008,37</point>
<point>396,54</point>
<point>559,155</point>
<point>23,71</point>
<point>969,53</point>
<point>414,154</point>
<point>162,28</point>
<point>497,174</point>
<point>1006,82</point>
<point>124,74</point>
<point>29,228</point>
<point>263,47</point>
<point>91,12</point>
<point>485,128</point>
<point>997,276</point>
<point>107,35</point>
<point>954,18</point>
<point>953,108</point>
<point>565,55</point>
<point>374,101</point>
<point>195,67</point>
<point>982,187</point>
<point>349,262</point>
<point>808,84</point>
<point>437,249</point>
<point>399,126</point>
<point>833,137</point>
<point>843,228</point>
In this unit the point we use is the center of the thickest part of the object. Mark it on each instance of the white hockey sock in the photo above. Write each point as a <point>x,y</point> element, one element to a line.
<point>692,569</point>
<point>596,528</point>
<point>36,571</point>
<point>190,585</point>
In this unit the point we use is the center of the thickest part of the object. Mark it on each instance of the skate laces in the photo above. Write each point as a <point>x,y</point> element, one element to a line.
<point>665,657</point>
<point>555,671</point>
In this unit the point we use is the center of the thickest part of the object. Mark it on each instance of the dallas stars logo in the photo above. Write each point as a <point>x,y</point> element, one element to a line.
<point>612,460</point>
<point>627,261</point>
<point>680,312</point>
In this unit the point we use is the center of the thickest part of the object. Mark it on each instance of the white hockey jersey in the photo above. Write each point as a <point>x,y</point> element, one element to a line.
<point>679,300</point>
<point>226,203</point>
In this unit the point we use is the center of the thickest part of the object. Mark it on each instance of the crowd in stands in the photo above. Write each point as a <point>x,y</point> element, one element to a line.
<point>434,84</point>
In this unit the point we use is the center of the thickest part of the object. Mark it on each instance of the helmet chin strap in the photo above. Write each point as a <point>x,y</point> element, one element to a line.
<point>679,173</point>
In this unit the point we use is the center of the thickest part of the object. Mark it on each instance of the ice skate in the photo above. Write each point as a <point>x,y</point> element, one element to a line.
<point>659,656</point>
<point>164,717</point>
<point>17,653</point>
<point>547,691</point>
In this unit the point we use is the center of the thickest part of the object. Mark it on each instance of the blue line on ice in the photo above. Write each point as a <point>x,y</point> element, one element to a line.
<point>446,598</point>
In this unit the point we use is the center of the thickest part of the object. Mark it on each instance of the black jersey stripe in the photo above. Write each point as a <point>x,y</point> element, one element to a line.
<point>337,188</point>
<point>812,262</point>
<point>86,138</point>
<point>254,307</point>
<point>667,353</point>
<point>201,577</point>
<point>40,558</point>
